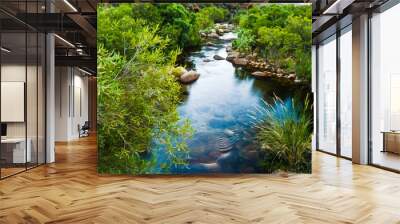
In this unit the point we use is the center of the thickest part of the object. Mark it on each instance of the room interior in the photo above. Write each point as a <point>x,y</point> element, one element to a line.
<point>48,92</point>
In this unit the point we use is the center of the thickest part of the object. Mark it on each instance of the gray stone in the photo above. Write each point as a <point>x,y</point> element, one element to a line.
<point>217,57</point>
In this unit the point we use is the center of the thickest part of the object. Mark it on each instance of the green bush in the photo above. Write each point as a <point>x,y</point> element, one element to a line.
<point>281,31</point>
<point>137,97</point>
<point>284,134</point>
<point>245,42</point>
<point>208,16</point>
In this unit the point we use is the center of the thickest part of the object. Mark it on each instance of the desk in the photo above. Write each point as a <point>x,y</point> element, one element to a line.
<point>13,150</point>
<point>391,141</point>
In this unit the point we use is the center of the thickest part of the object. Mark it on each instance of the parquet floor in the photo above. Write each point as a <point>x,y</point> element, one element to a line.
<point>70,191</point>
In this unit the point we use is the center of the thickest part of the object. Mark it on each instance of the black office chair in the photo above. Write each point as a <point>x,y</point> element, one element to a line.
<point>84,130</point>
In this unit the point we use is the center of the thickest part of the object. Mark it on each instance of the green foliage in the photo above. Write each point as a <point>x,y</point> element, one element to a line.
<point>208,16</point>
<point>284,134</point>
<point>282,35</point>
<point>179,25</point>
<point>245,42</point>
<point>137,97</point>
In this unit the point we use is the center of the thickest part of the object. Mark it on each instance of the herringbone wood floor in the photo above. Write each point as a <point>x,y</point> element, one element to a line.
<point>70,191</point>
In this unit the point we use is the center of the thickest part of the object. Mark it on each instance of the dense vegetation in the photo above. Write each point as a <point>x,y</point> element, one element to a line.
<point>281,34</point>
<point>284,134</point>
<point>137,97</point>
<point>179,26</point>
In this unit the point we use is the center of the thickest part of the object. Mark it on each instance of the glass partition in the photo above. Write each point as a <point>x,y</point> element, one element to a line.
<point>346,92</point>
<point>22,77</point>
<point>385,89</point>
<point>327,95</point>
<point>14,153</point>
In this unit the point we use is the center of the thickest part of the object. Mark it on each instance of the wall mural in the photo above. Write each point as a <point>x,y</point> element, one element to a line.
<point>204,88</point>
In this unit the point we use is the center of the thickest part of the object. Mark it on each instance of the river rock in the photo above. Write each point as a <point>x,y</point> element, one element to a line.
<point>210,44</point>
<point>213,35</point>
<point>207,60</point>
<point>228,48</point>
<point>217,57</point>
<point>292,76</point>
<point>259,74</point>
<point>232,55</point>
<point>189,77</point>
<point>240,61</point>
<point>220,32</point>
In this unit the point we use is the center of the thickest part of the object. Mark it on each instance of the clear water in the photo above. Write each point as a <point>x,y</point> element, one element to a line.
<point>218,105</point>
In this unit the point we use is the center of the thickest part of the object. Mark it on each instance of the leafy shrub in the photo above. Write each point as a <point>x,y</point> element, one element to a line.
<point>284,134</point>
<point>245,42</point>
<point>208,16</point>
<point>281,31</point>
<point>137,97</point>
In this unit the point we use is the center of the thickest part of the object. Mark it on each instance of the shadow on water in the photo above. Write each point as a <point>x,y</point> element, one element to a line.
<point>218,105</point>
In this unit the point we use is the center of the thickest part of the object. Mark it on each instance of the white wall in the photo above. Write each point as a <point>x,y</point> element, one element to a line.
<point>71,102</point>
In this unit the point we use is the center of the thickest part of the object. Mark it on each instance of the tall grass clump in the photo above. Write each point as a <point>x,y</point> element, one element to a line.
<point>283,131</point>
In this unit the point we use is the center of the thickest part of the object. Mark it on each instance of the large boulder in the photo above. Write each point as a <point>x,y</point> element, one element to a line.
<point>189,77</point>
<point>232,55</point>
<point>217,57</point>
<point>240,61</point>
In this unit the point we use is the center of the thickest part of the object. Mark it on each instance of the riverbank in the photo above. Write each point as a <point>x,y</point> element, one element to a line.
<point>257,66</point>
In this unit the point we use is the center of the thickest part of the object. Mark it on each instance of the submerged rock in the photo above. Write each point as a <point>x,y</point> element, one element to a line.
<point>210,44</point>
<point>229,132</point>
<point>207,60</point>
<point>189,77</point>
<point>217,57</point>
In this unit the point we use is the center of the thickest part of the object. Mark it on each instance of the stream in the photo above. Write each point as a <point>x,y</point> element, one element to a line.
<point>218,106</point>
